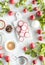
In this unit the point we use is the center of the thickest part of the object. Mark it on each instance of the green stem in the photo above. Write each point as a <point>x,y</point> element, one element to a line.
<point>8,63</point>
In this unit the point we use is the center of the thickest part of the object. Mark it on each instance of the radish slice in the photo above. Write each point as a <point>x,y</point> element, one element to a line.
<point>18,29</point>
<point>25,24</point>
<point>24,27</point>
<point>20,23</point>
<point>27,30</point>
<point>21,39</point>
<point>26,34</point>
<point>22,31</point>
<point>22,34</point>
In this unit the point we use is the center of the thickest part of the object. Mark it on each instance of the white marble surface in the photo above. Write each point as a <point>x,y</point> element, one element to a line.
<point>11,36</point>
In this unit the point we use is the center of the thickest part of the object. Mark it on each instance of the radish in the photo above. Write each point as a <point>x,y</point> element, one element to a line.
<point>20,23</point>
<point>21,39</point>
<point>18,29</point>
<point>27,34</point>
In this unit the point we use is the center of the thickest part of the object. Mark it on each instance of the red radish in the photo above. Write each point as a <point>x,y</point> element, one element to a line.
<point>36,8</point>
<point>18,29</point>
<point>40,38</point>
<point>7,58</point>
<point>32,45</point>
<point>34,61</point>
<point>20,23</point>
<point>32,17</point>
<point>1,55</point>
<point>12,1</point>
<point>1,47</point>
<point>10,13</point>
<point>39,31</point>
<point>34,2</point>
<point>21,39</point>
<point>39,13</point>
<point>24,27</point>
<point>25,49</point>
<point>41,58</point>
<point>27,34</point>
<point>22,34</point>
<point>25,10</point>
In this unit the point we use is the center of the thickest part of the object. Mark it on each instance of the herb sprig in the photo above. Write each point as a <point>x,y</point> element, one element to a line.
<point>4,7</point>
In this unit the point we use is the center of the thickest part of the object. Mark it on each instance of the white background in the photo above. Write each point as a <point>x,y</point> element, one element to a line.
<point>11,36</point>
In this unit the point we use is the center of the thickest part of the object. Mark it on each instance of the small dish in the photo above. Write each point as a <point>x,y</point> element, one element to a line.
<point>9,28</point>
<point>2,38</point>
<point>21,60</point>
<point>10,46</point>
<point>2,24</point>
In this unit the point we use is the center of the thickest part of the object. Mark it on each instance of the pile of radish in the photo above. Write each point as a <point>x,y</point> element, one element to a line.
<point>22,30</point>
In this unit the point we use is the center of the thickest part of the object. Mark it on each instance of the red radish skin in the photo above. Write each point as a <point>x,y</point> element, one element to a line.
<point>32,17</point>
<point>12,1</point>
<point>32,45</point>
<point>25,10</point>
<point>1,47</point>
<point>34,61</point>
<point>40,38</point>
<point>7,58</point>
<point>34,2</point>
<point>25,49</point>
<point>39,13</point>
<point>1,55</point>
<point>41,58</point>
<point>39,31</point>
<point>10,13</point>
<point>35,9</point>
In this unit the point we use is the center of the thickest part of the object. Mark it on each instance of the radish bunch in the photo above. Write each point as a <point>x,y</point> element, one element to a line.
<point>22,30</point>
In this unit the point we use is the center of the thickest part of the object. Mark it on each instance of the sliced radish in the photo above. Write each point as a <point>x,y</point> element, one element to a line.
<point>27,30</point>
<point>24,27</point>
<point>21,39</point>
<point>25,24</point>
<point>22,34</point>
<point>26,34</point>
<point>18,29</point>
<point>20,23</point>
<point>22,31</point>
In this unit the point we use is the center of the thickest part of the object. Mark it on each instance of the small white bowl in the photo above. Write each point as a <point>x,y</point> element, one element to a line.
<point>7,48</point>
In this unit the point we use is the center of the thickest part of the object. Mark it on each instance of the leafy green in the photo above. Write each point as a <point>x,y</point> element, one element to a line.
<point>21,2</point>
<point>28,51</point>
<point>5,7</point>
<point>1,62</point>
<point>33,53</point>
<point>37,51</point>
<point>42,21</point>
